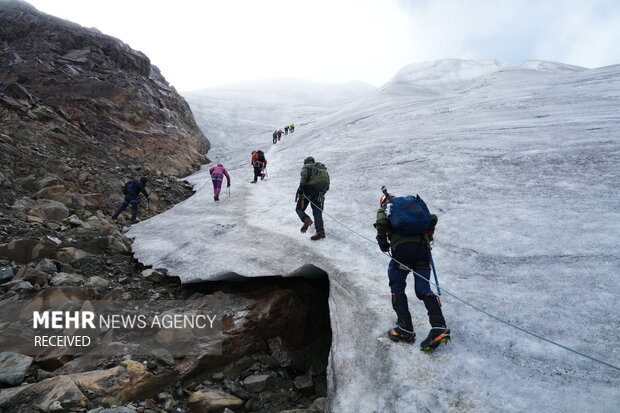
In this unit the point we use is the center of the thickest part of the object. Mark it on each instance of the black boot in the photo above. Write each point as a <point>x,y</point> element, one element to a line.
<point>439,332</point>
<point>404,329</point>
<point>319,235</point>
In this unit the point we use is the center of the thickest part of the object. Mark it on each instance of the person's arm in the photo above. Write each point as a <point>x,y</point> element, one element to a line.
<point>430,230</point>
<point>143,190</point>
<point>382,225</point>
<point>227,176</point>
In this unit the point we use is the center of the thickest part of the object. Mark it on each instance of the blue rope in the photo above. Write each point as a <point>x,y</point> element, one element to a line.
<point>471,305</point>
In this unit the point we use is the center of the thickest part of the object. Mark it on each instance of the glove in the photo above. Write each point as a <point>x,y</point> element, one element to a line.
<point>383,242</point>
<point>429,234</point>
<point>227,184</point>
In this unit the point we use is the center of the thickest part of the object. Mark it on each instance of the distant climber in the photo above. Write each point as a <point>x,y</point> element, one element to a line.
<point>312,187</point>
<point>259,162</point>
<point>406,227</point>
<point>275,136</point>
<point>280,133</point>
<point>286,130</point>
<point>291,127</point>
<point>132,191</point>
<point>218,172</point>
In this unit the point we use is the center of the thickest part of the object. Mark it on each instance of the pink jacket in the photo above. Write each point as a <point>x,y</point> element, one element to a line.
<point>218,172</point>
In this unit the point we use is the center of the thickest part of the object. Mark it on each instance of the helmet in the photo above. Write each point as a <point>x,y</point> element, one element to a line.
<point>384,199</point>
<point>309,159</point>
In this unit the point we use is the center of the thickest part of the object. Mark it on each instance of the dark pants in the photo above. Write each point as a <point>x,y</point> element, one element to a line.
<point>414,255</point>
<point>258,171</point>
<point>317,199</point>
<point>134,208</point>
<point>275,138</point>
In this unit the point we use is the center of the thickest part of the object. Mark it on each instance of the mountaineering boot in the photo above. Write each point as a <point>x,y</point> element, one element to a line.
<point>216,198</point>
<point>306,225</point>
<point>319,235</point>
<point>404,329</point>
<point>435,316</point>
<point>439,333</point>
<point>252,182</point>
<point>397,334</point>
<point>435,337</point>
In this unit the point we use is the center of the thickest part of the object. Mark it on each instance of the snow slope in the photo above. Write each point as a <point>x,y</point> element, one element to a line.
<point>521,164</point>
<point>242,116</point>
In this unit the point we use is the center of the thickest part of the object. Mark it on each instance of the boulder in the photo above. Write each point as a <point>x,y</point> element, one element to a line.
<point>13,368</point>
<point>75,221</point>
<point>55,192</point>
<point>6,274</point>
<point>213,400</point>
<point>102,224</point>
<point>43,394</point>
<point>256,383</point>
<point>118,385</point>
<point>32,275</point>
<point>69,254</point>
<point>16,285</point>
<point>66,279</point>
<point>153,275</point>
<point>163,355</point>
<point>97,282</point>
<point>37,210</point>
<point>23,251</point>
<point>319,405</point>
<point>93,200</point>
<point>304,384</point>
<point>47,265</point>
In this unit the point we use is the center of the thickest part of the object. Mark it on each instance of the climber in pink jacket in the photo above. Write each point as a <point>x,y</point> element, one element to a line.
<point>217,176</point>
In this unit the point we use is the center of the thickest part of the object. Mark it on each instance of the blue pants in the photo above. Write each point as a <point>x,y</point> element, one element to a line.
<point>134,209</point>
<point>414,255</point>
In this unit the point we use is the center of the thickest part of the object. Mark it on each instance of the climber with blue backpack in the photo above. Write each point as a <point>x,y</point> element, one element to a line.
<point>132,191</point>
<point>406,228</point>
<point>313,185</point>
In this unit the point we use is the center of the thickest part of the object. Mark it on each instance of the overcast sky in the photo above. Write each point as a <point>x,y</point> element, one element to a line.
<point>198,44</point>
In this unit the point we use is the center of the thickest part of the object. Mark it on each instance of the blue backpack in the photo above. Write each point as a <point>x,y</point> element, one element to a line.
<point>408,215</point>
<point>131,188</point>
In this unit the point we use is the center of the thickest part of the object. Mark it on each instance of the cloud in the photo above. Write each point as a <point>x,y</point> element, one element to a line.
<point>202,43</point>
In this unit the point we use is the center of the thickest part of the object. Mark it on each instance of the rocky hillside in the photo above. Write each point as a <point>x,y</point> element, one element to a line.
<point>80,114</point>
<point>83,110</point>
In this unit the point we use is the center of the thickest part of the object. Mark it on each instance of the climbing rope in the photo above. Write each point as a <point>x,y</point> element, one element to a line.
<point>468,303</point>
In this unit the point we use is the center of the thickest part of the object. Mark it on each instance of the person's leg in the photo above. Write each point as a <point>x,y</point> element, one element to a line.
<point>439,333</point>
<point>120,209</point>
<point>300,209</point>
<point>134,210</point>
<point>317,213</point>
<point>217,187</point>
<point>404,327</point>
<point>257,171</point>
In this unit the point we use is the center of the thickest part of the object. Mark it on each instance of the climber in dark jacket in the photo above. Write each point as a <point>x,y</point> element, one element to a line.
<point>132,191</point>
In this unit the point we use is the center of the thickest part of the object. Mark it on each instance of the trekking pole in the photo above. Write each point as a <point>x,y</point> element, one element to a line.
<point>430,256</point>
<point>229,192</point>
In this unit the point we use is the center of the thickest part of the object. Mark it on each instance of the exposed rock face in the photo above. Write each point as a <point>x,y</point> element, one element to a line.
<point>72,97</point>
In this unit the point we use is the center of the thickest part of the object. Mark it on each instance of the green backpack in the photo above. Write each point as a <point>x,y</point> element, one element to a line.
<point>318,177</point>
